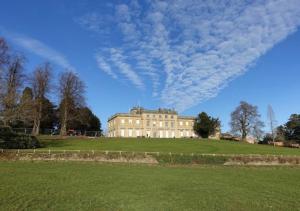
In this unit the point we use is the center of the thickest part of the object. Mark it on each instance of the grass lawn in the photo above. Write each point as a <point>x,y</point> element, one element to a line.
<point>165,145</point>
<point>94,186</point>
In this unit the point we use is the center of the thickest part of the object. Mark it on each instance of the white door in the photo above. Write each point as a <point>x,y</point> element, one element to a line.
<point>167,134</point>
<point>173,134</point>
<point>122,132</point>
<point>137,133</point>
<point>160,133</point>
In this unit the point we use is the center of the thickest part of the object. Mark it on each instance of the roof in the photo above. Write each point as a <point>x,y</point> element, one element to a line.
<point>123,114</point>
<point>186,117</point>
<point>141,110</point>
<point>137,111</point>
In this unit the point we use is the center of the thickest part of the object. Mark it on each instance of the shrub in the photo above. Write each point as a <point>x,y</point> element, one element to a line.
<point>12,140</point>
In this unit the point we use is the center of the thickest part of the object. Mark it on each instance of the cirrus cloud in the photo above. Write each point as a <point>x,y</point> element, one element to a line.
<point>192,49</point>
<point>39,48</point>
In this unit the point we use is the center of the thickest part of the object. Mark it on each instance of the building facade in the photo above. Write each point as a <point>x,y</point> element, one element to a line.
<point>161,123</point>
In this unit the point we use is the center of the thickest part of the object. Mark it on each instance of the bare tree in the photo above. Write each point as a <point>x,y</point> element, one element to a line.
<point>12,82</point>
<point>257,131</point>
<point>71,90</point>
<point>40,86</point>
<point>3,52</point>
<point>272,122</point>
<point>4,59</point>
<point>244,119</point>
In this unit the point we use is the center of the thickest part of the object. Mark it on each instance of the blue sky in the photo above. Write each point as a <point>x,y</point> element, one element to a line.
<point>189,55</point>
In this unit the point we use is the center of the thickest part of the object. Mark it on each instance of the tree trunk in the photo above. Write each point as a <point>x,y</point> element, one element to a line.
<point>63,129</point>
<point>244,136</point>
<point>37,121</point>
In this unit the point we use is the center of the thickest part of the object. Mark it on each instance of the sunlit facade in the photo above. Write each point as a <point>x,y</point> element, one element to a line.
<point>161,123</point>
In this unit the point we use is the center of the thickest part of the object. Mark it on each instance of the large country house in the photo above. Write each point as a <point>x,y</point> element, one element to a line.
<point>161,123</point>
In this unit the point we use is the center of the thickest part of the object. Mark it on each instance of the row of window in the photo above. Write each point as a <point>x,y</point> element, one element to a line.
<point>160,116</point>
<point>160,124</point>
<point>154,122</point>
<point>159,134</point>
<point>166,124</point>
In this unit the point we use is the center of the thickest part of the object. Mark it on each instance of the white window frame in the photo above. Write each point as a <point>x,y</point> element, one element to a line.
<point>129,132</point>
<point>173,134</point>
<point>161,135</point>
<point>122,132</point>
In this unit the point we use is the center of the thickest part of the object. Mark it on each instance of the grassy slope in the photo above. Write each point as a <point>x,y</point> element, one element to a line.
<point>74,186</point>
<point>167,145</point>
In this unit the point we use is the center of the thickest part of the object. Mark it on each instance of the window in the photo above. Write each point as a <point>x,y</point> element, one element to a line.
<point>148,115</point>
<point>122,121</point>
<point>130,121</point>
<point>172,116</point>
<point>166,124</point>
<point>129,132</point>
<point>167,134</point>
<point>148,123</point>
<point>172,124</point>
<point>160,133</point>
<point>137,133</point>
<point>154,124</point>
<point>180,123</point>
<point>186,123</point>
<point>122,132</point>
<point>137,121</point>
<point>160,124</point>
<point>173,134</point>
<point>181,133</point>
<point>187,133</point>
<point>159,116</point>
<point>166,116</point>
<point>153,115</point>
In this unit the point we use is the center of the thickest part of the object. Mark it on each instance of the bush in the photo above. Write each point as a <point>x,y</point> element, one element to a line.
<point>12,140</point>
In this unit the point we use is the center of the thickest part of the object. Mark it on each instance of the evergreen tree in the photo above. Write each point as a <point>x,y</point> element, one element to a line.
<point>206,125</point>
<point>26,108</point>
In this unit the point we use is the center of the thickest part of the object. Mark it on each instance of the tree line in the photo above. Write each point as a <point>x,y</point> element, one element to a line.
<point>24,99</point>
<point>246,121</point>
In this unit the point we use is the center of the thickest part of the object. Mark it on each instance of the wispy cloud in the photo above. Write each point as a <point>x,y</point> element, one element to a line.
<point>192,49</point>
<point>94,22</point>
<point>39,48</point>
<point>119,60</point>
<point>104,66</point>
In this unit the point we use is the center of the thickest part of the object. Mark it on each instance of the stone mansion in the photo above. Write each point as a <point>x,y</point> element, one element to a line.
<point>161,123</point>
